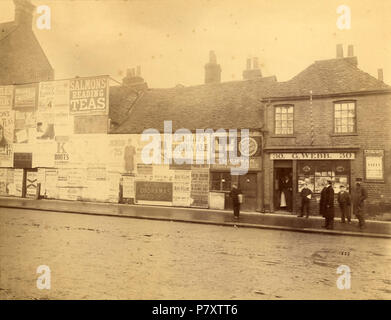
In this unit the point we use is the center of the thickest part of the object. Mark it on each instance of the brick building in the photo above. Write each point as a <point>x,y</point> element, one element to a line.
<point>332,120</point>
<point>22,59</point>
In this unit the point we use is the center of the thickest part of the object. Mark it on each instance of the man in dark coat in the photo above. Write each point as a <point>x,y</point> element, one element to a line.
<point>344,204</point>
<point>306,195</point>
<point>234,194</point>
<point>328,205</point>
<point>359,195</point>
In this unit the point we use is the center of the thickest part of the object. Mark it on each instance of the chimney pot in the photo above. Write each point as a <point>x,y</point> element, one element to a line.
<point>212,57</point>
<point>138,72</point>
<point>339,51</point>
<point>212,69</point>
<point>248,64</point>
<point>255,63</point>
<point>380,74</point>
<point>350,51</point>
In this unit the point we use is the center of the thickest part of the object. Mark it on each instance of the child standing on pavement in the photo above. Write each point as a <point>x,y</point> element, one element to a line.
<point>344,204</point>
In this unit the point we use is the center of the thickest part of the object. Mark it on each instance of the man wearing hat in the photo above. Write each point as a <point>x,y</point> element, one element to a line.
<point>358,196</point>
<point>328,204</point>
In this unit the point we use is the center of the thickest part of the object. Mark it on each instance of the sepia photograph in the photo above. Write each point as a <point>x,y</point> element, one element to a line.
<point>172,150</point>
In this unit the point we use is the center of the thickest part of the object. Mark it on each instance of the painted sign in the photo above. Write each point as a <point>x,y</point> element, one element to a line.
<point>374,164</point>
<point>154,191</point>
<point>312,156</point>
<point>89,95</point>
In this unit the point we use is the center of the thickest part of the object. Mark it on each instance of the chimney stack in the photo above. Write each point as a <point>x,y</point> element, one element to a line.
<point>350,50</point>
<point>133,79</point>
<point>254,72</point>
<point>339,51</point>
<point>380,74</point>
<point>24,11</point>
<point>212,69</point>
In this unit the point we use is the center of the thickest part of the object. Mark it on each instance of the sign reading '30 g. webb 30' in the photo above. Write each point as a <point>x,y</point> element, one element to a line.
<point>89,95</point>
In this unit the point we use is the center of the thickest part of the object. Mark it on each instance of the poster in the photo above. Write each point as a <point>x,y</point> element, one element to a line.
<point>7,122</point>
<point>113,179</point>
<point>53,96</point>
<point>25,127</point>
<point>89,95</point>
<point>6,97</point>
<point>217,200</point>
<point>31,184</point>
<point>3,181</point>
<point>128,187</point>
<point>182,188</point>
<point>51,191</point>
<point>152,191</point>
<point>199,187</point>
<point>25,96</point>
<point>374,162</point>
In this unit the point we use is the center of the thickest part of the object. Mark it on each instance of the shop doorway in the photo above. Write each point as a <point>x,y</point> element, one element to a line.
<point>248,186</point>
<point>283,189</point>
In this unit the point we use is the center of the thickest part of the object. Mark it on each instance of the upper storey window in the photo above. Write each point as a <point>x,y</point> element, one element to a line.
<point>283,123</point>
<point>345,117</point>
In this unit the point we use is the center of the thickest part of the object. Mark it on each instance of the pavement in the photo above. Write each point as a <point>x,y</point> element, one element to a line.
<point>288,222</point>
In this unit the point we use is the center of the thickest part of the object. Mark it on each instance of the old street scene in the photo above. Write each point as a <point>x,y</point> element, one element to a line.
<point>189,178</point>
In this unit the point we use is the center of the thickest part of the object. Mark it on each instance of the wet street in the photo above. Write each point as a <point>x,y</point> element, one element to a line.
<point>99,257</point>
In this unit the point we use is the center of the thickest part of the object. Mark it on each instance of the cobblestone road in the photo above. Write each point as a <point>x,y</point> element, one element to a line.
<point>98,257</point>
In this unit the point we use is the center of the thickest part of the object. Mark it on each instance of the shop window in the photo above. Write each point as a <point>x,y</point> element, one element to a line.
<point>345,117</point>
<point>220,181</point>
<point>316,174</point>
<point>283,120</point>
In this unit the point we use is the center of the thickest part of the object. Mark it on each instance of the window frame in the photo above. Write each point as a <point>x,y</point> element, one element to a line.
<point>274,120</point>
<point>355,117</point>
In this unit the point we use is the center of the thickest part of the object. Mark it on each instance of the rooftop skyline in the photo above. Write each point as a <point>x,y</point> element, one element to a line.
<point>171,39</point>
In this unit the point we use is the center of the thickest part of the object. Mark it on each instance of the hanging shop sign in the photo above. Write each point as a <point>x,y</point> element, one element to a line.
<point>249,147</point>
<point>89,95</point>
<point>313,156</point>
<point>374,165</point>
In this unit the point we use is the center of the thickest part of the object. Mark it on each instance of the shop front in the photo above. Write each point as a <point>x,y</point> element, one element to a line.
<point>291,171</point>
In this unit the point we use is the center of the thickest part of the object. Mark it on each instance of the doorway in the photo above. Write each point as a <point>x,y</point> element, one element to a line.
<point>248,186</point>
<point>283,189</point>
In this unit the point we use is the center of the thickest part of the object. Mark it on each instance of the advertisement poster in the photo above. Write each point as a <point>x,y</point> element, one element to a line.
<point>25,127</point>
<point>53,96</point>
<point>113,179</point>
<point>31,184</point>
<point>89,95</point>
<point>3,181</point>
<point>25,96</point>
<point>128,187</point>
<point>199,187</point>
<point>7,122</point>
<point>374,162</point>
<point>51,190</point>
<point>6,97</point>
<point>152,191</point>
<point>182,188</point>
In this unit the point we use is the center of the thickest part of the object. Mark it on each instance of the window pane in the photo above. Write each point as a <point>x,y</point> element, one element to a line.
<point>351,106</point>
<point>284,117</point>
<point>278,116</point>
<point>344,106</point>
<point>278,130</point>
<point>278,109</point>
<point>351,128</point>
<point>283,110</point>
<point>344,129</point>
<point>290,116</point>
<point>290,109</point>
<point>337,107</point>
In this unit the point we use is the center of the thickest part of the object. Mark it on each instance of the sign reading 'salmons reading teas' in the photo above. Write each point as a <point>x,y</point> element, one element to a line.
<point>89,95</point>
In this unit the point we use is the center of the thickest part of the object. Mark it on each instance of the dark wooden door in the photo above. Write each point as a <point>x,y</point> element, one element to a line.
<point>248,185</point>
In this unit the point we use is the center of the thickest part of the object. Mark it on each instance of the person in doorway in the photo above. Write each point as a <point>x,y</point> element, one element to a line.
<point>344,204</point>
<point>359,196</point>
<point>286,188</point>
<point>234,194</point>
<point>328,205</point>
<point>306,195</point>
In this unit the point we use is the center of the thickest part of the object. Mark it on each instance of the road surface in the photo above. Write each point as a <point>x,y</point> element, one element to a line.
<point>100,257</point>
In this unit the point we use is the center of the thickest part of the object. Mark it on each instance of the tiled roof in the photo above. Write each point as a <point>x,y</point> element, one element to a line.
<point>324,77</point>
<point>6,28</point>
<point>222,105</point>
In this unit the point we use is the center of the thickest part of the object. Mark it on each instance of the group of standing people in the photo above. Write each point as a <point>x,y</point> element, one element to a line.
<point>326,204</point>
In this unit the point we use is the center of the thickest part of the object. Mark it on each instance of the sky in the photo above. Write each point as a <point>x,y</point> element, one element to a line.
<point>171,39</point>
